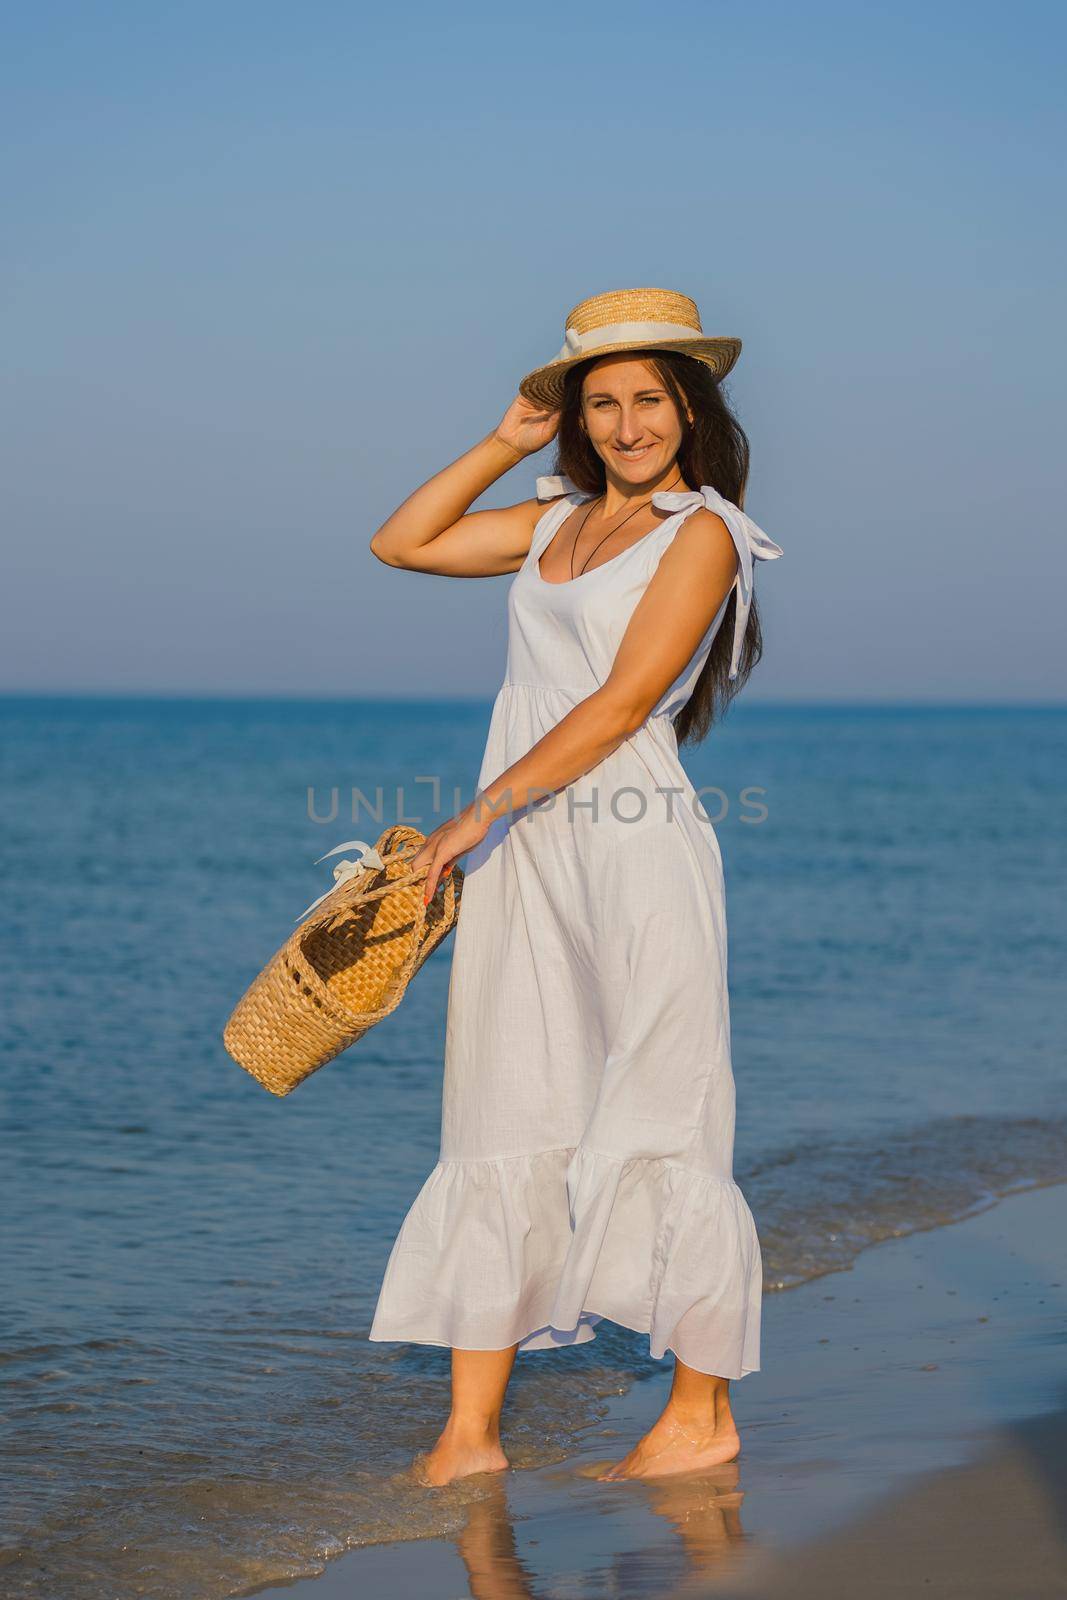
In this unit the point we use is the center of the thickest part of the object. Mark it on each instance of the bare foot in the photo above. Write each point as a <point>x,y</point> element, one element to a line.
<point>458,1453</point>
<point>672,1446</point>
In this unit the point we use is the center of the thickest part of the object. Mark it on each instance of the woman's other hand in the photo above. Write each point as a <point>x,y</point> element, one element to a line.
<point>445,844</point>
<point>526,428</point>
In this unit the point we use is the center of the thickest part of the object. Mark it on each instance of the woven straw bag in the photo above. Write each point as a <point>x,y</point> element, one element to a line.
<point>346,966</point>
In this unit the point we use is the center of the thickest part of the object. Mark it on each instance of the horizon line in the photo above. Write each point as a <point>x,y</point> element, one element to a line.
<point>230,697</point>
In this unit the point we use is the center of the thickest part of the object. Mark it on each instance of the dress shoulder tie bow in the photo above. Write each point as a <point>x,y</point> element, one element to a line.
<point>750,541</point>
<point>552,488</point>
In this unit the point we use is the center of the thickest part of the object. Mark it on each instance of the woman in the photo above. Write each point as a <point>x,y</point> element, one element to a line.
<point>586,1154</point>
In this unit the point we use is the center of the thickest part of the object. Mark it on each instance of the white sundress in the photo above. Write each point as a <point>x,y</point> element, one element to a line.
<point>586,1157</point>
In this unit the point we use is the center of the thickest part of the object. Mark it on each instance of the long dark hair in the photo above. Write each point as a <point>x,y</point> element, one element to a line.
<point>714,450</point>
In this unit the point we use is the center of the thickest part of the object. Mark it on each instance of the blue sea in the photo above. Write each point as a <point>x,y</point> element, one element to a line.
<point>191,1405</point>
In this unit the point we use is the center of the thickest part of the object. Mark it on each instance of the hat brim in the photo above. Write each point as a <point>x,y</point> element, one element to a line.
<point>544,385</point>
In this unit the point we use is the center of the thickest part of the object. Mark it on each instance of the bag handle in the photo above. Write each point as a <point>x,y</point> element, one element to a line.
<point>409,847</point>
<point>401,977</point>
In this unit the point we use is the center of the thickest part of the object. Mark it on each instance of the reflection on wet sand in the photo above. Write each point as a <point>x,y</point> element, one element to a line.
<point>487,1548</point>
<point>702,1508</point>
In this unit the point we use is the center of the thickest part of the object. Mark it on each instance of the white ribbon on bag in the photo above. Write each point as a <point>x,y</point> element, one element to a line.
<point>346,869</point>
<point>750,541</point>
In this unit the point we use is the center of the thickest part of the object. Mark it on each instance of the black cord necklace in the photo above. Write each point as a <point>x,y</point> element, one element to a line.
<point>610,531</point>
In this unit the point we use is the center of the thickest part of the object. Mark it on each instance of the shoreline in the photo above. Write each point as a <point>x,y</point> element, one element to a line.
<point>927,1376</point>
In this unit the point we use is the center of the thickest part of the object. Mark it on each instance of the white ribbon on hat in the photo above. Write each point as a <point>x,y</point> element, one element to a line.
<point>750,541</point>
<point>579,344</point>
<point>346,869</point>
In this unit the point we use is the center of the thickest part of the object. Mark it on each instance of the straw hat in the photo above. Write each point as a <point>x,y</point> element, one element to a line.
<point>628,319</point>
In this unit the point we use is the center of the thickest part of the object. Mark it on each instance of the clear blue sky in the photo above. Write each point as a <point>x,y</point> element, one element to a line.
<point>267,267</point>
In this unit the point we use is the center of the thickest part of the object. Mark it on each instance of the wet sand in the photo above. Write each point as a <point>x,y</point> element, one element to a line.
<point>908,1433</point>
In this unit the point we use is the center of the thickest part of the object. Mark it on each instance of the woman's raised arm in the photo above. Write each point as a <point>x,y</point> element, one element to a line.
<point>433,530</point>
